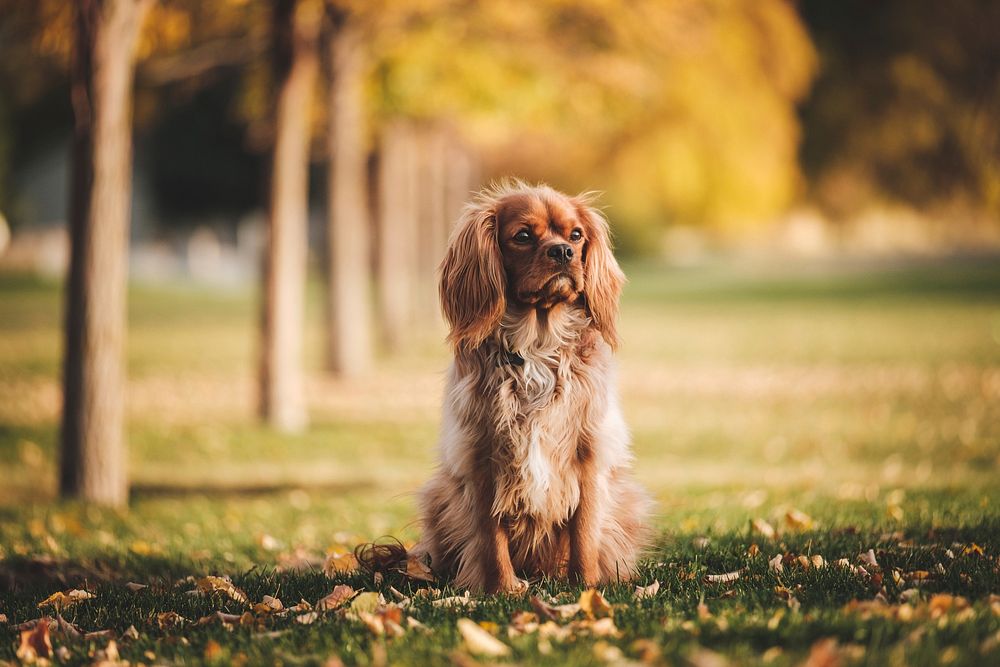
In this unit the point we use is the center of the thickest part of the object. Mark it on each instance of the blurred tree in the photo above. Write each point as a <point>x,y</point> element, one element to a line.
<point>907,104</point>
<point>93,457</point>
<point>296,56</point>
<point>349,232</point>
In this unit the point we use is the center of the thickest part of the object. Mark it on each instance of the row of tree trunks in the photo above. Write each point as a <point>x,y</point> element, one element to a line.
<point>296,52</point>
<point>425,177</point>
<point>93,464</point>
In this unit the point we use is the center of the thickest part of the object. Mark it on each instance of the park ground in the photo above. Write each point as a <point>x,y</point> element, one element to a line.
<point>826,438</point>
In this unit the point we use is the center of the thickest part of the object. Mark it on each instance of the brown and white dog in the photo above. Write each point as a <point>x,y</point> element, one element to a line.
<point>535,471</point>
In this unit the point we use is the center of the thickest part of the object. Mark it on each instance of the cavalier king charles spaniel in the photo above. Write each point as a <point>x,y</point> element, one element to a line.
<point>535,466</point>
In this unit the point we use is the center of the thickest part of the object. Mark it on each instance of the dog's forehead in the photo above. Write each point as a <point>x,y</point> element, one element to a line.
<point>538,210</point>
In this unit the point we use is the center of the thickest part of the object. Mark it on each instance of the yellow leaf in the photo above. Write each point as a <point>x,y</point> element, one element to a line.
<point>62,600</point>
<point>480,642</point>
<point>798,520</point>
<point>367,602</point>
<point>339,564</point>
<point>594,605</point>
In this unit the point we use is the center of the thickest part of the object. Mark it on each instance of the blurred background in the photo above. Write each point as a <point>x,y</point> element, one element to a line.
<point>805,195</point>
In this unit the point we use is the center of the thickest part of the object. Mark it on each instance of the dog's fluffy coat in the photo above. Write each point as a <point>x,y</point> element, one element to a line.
<point>534,477</point>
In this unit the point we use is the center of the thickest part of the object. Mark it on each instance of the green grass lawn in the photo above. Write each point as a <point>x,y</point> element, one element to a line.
<point>848,408</point>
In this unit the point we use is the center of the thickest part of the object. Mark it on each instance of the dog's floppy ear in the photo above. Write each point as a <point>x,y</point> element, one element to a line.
<point>602,277</point>
<point>473,284</point>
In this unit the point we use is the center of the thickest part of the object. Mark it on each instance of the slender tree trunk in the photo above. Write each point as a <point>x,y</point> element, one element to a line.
<point>93,464</point>
<point>432,214</point>
<point>397,233</point>
<point>296,64</point>
<point>349,347</point>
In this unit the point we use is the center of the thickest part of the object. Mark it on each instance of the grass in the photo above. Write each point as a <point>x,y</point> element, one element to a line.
<point>867,399</point>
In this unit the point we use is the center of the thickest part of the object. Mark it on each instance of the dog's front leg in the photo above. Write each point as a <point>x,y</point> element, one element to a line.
<point>491,558</point>
<point>584,530</point>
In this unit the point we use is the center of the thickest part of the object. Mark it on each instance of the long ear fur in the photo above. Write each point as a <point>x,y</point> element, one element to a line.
<point>473,284</point>
<point>602,277</point>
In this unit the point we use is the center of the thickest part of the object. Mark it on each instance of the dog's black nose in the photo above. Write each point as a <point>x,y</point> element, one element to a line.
<point>562,253</point>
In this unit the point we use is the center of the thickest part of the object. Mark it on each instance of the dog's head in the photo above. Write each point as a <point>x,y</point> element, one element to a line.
<point>531,247</point>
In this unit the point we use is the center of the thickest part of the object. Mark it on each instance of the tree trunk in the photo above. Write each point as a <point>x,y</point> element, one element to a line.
<point>93,464</point>
<point>397,233</point>
<point>349,262</point>
<point>432,215</point>
<point>296,65</point>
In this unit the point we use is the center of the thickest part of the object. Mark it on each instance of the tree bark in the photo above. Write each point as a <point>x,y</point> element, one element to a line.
<point>396,261</point>
<point>93,463</point>
<point>349,348</point>
<point>296,64</point>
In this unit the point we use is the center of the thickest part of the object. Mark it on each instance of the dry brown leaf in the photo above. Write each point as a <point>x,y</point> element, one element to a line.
<point>341,594</point>
<point>479,641</point>
<point>213,584</point>
<point>134,587</point>
<point>763,527</point>
<point>35,643</point>
<point>868,558</point>
<point>307,618</point>
<point>724,578</point>
<point>543,610</point>
<point>775,564</point>
<point>642,592</point>
<point>594,605</point>
<point>417,569</point>
<point>753,551</point>
<point>61,600</point>
<point>170,619</point>
<point>268,605</point>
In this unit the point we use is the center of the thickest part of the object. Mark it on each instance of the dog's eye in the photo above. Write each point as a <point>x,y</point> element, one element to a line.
<point>522,237</point>
<point>575,235</point>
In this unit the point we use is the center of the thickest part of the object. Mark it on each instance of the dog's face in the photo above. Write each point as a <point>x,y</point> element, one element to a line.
<point>542,239</point>
<point>530,247</point>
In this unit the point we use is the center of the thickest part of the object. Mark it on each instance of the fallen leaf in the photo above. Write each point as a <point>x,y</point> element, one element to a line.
<point>417,569</point>
<point>798,520</point>
<point>213,584</point>
<point>366,602</point>
<point>604,627</point>
<point>134,587</point>
<point>307,619</point>
<point>35,643</point>
<point>455,601</point>
<point>213,650</point>
<point>723,578</point>
<point>594,605</point>
<point>642,592</point>
<point>763,527</point>
<point>606,652</point>
<point>753,551</point>
<point>339,563</point>
<point>543,610</point>
<point>130,633</point>
<point>775,564</point>
<point>868,558</point>
<point>341,594</point>
<point>170,619</point>
<point>480,642</point>
<point>61,600</point>
<point>268,605</point>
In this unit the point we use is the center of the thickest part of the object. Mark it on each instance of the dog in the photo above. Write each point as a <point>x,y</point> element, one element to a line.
<point>535,464</point>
